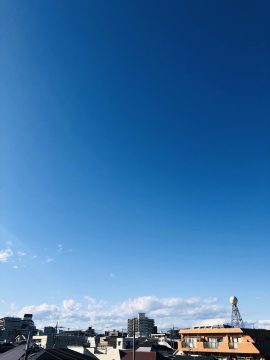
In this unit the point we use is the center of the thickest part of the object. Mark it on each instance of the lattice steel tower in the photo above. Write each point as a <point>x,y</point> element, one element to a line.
<point>236,319</point>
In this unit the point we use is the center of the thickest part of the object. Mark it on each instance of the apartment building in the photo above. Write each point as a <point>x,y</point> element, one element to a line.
<point>10,327</point>
<point>225,342</point>
<point>143,326</point>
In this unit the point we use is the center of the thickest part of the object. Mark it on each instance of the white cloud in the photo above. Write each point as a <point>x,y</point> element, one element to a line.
<point>180,312</point>
<point>41,311</point>
<point>166,311</point>
<point>21,253</point>
<point>262,324</point>
<point>15,267</point>
<point>69,313</point>
<point>95,304</point>
<point>5,254</point>
<point>49,260</point>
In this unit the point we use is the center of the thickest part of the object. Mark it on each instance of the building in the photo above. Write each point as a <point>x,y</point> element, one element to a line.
<point>127,343</point>
<point>166,339</point>
<point>115,333</point>
<point>11,327</point>
<point>90,331</point>
<point>49,330</point>
<point>148,353</point>
<point>27,325</point>
<point>61,340</point>
<point>225,342</point>
<point>143,326</point>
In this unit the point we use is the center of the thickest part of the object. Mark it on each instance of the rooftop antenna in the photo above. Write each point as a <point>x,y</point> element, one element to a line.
<point>236,319</point>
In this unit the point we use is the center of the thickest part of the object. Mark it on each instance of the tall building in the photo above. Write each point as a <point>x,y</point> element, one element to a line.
<point>143,326</point>
<point>27,324</point>
<point>10,327</point>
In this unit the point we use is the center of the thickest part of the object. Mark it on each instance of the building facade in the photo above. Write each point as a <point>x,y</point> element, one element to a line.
<point>61,340</point>
<point>143,326</point>
<point>225,343</point>
<point>49,330</point>
<point>11,327</point>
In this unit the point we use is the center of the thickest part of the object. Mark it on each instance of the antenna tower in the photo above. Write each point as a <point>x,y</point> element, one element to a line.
<point>236,319</point>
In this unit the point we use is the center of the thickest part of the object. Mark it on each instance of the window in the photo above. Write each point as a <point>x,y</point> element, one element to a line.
<point>215,339</point>
<point>237,339</point>
<point>191,342</point>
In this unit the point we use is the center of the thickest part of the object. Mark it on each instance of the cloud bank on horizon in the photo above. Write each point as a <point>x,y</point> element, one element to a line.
<point>167,312</point>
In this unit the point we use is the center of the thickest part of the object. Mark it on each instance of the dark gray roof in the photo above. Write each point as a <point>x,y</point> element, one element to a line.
<point>63,354</point>
<point>5,347</point>
<point>190,357</point>
<point>13,354</point>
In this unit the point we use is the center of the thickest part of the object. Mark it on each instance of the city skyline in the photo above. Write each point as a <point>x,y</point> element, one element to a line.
<point>135,160</point>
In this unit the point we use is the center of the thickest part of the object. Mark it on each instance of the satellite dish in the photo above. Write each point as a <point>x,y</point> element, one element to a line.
<point>233,300</point>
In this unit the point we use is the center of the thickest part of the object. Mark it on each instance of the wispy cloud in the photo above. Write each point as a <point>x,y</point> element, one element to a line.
<point>17,253</point>
<point>21,253</point>
<point>7,237</point>
<point>14,246</point>
<point>5,254</point>
<point>48,260</point>
<point>59,248</point>
<point>62,250</point>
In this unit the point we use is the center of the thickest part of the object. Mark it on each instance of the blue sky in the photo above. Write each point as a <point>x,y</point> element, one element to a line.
<point>134,159</point>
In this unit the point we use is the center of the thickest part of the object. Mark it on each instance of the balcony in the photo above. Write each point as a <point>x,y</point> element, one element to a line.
<point>211,345</point>
<point>189,344</point>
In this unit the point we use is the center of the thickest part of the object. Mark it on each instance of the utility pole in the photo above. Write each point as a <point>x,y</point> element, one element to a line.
<point>27,345</point>
<point>55,335</point>
<point>134,339</point>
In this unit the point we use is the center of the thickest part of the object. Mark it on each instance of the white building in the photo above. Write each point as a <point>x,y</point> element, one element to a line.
<point>142,324</point>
